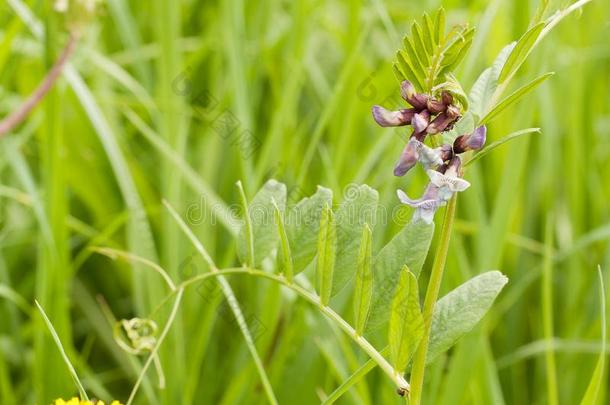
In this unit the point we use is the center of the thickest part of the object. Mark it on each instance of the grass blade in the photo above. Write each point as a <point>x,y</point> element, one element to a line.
<point>79,385</point>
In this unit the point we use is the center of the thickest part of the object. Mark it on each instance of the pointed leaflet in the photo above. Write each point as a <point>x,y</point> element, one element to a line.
<point>428,33</point>
<point>327,246</point>
<point>406,325</point>
<point>285,255</point>
<point>409,247</point>
<point>261,226</point>
<point>439,25</point>
<point>520,52</point>
<point>459,311</point>
<point>303,227</point>
<point>514,97</point>
<point>456,50</point>
<point>410,65</point>
<point>418,41</point>
<point>358,208</point>
<point>364,281</point>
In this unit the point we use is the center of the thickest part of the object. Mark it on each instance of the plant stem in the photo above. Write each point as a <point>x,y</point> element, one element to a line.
<point>17,116</point>
<point>436,276</point>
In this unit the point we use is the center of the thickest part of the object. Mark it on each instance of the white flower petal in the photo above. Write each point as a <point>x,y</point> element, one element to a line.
<point>453,183</point>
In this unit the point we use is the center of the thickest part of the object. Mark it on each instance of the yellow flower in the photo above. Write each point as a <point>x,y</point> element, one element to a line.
<point>76,401</point>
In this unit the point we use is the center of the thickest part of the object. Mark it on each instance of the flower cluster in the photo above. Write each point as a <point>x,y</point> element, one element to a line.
<point>430,116</point>
<point>77,401</point>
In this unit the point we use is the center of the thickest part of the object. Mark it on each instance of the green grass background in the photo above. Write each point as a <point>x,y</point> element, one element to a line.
<point>136,119</point>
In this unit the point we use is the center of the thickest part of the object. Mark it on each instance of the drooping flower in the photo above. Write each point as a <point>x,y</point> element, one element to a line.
<point>420,122</point>
<point>474,141</point>
<point>387,118</point>
<point>410,95</point>
<point>444,120</point>
<point>426,206</point>
<point>416,151</point>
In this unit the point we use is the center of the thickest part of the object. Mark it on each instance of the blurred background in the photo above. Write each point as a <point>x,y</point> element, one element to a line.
<point>181,99</point>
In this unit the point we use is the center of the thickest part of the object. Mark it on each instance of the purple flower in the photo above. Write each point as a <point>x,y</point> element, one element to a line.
<point>444,120</point>
<point>416,151</point>
<point>474,141</point>
<point>408,158</point>
<point>420,122</point>
<point>410,95</point>
<point>441,188</point>
<point>387,118</point>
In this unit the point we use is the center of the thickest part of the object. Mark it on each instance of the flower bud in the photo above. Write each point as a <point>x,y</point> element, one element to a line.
<point>407,90</point>
<point>446,98</point>
<point>387,118</point>
<point>435,106</point>
<point>443,121</point>
<point>410,95</point>
<point>474,141</point>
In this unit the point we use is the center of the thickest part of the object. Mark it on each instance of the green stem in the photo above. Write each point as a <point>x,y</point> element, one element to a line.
<point>436,276</point>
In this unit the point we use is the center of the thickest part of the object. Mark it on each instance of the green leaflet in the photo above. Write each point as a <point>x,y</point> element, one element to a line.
<point>429,34</point>
<point>520,52</point>
<point>406,325</point>
<point>303,227</point>
<point>285,254</point>
<point>418,41</point>
<point>439,25</point>
<point>409,247</point>
<point>327,246</point>
<point>514,97</point>
<point>460,310</point>
<point>359,207</point>
<point>364,281</point>
<point>261,225</point>
<point>485,86</point>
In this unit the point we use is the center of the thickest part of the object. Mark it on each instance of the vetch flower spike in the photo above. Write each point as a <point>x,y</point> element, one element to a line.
<point>387,118</point>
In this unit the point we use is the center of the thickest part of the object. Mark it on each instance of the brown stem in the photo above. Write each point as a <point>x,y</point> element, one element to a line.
<point>20,114</point>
